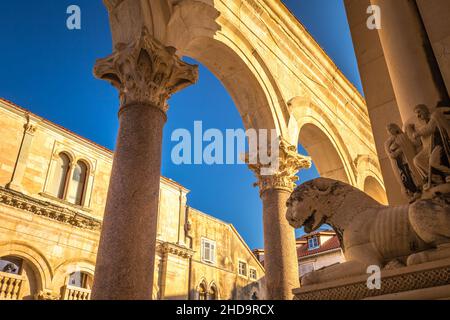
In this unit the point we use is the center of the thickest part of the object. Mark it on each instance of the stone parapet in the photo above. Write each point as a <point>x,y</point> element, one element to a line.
<point>412,282</point>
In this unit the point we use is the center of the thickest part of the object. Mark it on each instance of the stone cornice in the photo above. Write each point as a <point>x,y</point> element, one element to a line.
<point>48,210</point>
<point>145,72</point>
<point>174,249</point>
<point>285,177</point>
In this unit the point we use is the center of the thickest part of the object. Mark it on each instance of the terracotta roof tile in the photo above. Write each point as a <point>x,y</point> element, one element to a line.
<point>331,244</point>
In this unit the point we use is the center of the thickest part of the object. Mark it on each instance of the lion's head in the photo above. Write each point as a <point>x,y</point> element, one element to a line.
<point>310,204</point>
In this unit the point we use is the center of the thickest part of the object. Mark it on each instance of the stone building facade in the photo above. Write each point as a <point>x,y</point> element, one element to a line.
<point>318,250</point>
<point>315,251</point>
<point>53,189</point>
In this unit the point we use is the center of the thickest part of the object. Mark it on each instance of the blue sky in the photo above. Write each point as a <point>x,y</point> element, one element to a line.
<point>47,69</point>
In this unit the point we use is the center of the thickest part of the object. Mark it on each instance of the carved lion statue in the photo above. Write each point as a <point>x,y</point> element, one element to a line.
<point>371,233</point>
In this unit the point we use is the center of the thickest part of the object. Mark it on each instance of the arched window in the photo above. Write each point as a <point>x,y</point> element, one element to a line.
<point>78,183</point>
<point>59,179</point>
<point>11,265</point>
<point>213,293</point>
<point>18,280</point>
<point>80,280</point>
<point>202,292</point>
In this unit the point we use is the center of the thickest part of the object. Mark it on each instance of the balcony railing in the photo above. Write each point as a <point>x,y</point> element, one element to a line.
<point>10,286</point>
<point>76,293</point>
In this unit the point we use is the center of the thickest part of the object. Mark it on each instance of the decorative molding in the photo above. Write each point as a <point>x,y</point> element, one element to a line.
<point>47,295</point>
<point>174,249</point>
<point>254,7</point>
<point>285,177</point>
<point>145,72</point>
<point>420,279</point>
<point>48,210</point>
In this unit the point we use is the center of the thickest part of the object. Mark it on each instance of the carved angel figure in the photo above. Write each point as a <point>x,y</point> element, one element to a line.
<point>401,152</point>
<point>433,162</point>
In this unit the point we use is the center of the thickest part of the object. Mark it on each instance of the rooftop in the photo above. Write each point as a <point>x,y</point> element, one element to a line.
<point>329,245</point>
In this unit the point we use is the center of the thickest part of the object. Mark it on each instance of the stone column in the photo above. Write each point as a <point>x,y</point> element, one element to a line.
<point>280,253</point>
<point>21,164</point>
<point>378,90</point>
<point>412,66</point>
<point>146,73</point>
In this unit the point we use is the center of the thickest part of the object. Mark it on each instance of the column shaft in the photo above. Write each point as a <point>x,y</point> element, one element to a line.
<point>280,254</point>
<point>409,57</point>
<point>125,262</point>
<point>280,257</point>
<point>146,73</point>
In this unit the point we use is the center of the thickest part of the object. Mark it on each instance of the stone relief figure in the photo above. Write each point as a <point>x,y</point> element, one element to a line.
<point>371,233</point>
<point>401,152</point>
<point>433,161</point>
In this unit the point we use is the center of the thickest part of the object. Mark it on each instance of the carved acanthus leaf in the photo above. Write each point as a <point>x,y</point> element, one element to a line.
<point>285,175</point>
<point>146,72</point>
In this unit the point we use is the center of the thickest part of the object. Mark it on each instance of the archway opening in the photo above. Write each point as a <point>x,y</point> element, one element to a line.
<point>18,279</point>
<point>374,189</point>
<point>326,161</point>
<point>81,280</point>
<point>212,295</point>
<point>232,66</point>
<point>202,292</point>
<point>248,94</point>
<point>78,286</point>
<point>324,155</point>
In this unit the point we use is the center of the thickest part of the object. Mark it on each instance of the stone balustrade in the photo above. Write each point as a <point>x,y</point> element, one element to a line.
<point>76,293</point>
<point>10,286</point>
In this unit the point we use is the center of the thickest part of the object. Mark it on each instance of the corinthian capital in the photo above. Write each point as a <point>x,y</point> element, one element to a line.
<point>145,72</point>
<point>281,173</point>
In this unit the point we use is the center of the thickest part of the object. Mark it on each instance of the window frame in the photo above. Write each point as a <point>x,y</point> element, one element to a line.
<point>212,252</point>
<point>250,269</point>
<point>244,263</point>
<point>74,185</point>
<point>75,156</point>
<point>315,245</point>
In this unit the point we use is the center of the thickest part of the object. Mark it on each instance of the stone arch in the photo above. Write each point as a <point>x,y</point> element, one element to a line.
<point>226,52</point>
<point>319,136</point>
<point>66,268</point>
<point>375,189</point>
<point>251,55</point>
<point>88,162</point>
<point>69,153</point>
<point>202,289</point>
<point>41,267</point>
<point>370,179</point>
<point>213,289</point>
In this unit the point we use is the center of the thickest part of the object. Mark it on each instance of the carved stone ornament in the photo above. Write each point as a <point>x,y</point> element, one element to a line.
<point>285,175</point>
<point>30,129</point>
<point>48,210</point>
<point>166,248</point>
<point>47,295</point>
<point>145,72</point>
<point>420,156</point>
<point>393,236</point>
